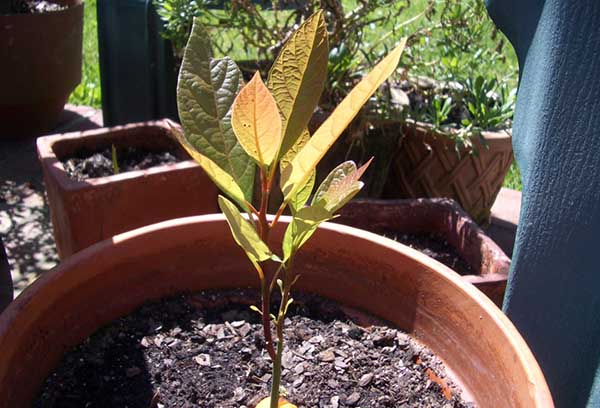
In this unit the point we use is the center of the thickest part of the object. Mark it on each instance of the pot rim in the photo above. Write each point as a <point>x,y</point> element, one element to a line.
<point>23,17</point>
<point>537,385</point>
<point>48,158</point>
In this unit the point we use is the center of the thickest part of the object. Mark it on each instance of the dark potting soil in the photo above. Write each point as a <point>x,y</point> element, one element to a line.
<point>207,350</point>
<point>30,7</point>
<point>436,247</point>
<point>85,166</point>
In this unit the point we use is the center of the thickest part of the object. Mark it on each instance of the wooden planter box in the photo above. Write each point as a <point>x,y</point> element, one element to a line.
<point>428,165</point>
<point>442,217</point>
<point>86,212</point>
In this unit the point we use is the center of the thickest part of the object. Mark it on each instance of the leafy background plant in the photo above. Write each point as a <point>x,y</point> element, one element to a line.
<point>448,41</point>
<point>463,44</point>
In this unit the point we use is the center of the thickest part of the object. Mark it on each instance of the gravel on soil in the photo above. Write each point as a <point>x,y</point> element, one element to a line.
<point>207,350</point>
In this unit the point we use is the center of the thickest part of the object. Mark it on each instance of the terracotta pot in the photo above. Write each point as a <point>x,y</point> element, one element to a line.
<point>357,268</point>
<point>427,165</point>
<point>444,218</point>
<point>85,212</point>
<point>41,66</point>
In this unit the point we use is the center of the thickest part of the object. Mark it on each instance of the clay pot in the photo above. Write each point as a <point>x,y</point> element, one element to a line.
<point>86,212</point>
<point>444,218</point>
<point>357,268</point>
<point>41,66</point>
<point>428,165</point>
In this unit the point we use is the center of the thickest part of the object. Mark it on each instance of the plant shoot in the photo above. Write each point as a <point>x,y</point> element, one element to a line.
<point>236,131</point>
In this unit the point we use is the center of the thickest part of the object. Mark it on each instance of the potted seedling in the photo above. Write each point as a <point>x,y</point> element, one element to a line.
<point>353,267</point>
<point>266,127</point>
<point>40,50</point>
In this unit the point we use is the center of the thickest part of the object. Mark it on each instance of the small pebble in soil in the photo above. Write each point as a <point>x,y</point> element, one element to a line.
<point>182,352</point>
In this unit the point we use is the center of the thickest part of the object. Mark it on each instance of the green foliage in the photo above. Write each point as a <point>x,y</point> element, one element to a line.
<point>88,92</point>
<point>244,233</point>
<point>256,122</point>
<point>206,90</point>
<point>115,161</point>
<point>490,105</point>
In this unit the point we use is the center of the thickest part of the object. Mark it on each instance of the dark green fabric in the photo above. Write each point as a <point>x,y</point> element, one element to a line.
<point>137,71</point>
<point>553,295</point>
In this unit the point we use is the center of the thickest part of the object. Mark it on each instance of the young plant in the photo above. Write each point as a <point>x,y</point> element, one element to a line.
<point>232,131</point>
<point>115,161</point>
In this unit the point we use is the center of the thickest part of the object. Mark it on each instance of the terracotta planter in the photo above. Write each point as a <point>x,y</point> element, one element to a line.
<point>41,66</point>
<point>85,212</point>
<point>444,218</point>
<point>477,342</point>
<point>427,165</point>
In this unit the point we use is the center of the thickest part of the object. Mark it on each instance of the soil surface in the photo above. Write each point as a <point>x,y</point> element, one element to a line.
<point>436,247</point>
<point>206,350</point>
<point>85,165</point>
<point>30,7</point>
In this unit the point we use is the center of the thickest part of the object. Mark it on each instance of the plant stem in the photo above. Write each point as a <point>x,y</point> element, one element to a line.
<point>266,317</point>
<point>265,288</point>
<point>276,377</point>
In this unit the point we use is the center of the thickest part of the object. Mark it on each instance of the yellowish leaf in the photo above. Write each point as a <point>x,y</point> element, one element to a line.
<point>297,77</point>
<point>256,121</point>
<point>221,178</point>
<point>298,171</point>
<point>244,233</point>
<point>303,226</point>
<point>340,186</point>
<point>303,193</point>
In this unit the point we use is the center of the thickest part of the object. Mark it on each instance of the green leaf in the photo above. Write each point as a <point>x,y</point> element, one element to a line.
<point>244,233</point>
<point>303,194</point>
<point>304,224</point>
<point>297,77</point>
<point>221,178</point>
<point>298,171</point>
<point>256,121</point>
<point>205,93</point>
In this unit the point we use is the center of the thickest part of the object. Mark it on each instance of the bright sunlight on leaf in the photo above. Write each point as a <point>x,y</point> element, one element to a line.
<point>303,193</point>
<point>205,92</point>
<point>221,178</point>
<point>340,185</point>
<point>303,225</point>
<point>298,171</point>
<point>244,233</point>
<point>256,121</point>
<point>297,77</point>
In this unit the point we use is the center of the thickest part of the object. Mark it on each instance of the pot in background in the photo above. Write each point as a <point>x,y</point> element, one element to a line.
<point>441,217</point>
<point>89,211</point>
<point>427,165</point>
<point>41,66</point>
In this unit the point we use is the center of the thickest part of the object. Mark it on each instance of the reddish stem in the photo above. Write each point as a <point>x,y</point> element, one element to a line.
<point>265,284</point>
